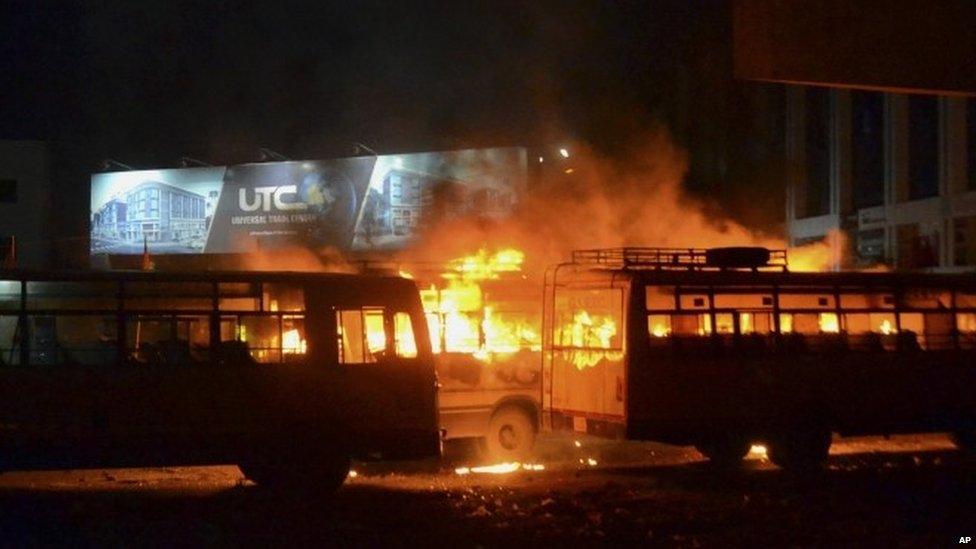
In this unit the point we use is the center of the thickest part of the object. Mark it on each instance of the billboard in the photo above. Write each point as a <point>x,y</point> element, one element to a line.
<point>361,203</point>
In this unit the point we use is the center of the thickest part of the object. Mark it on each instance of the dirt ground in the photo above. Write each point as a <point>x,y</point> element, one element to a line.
<point>908,491</point>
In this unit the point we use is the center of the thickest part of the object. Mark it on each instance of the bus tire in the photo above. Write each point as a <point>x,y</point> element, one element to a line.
<point>321,475</point>
<point>795,449</point>
<point>511,435</point>
<point>724,451</point>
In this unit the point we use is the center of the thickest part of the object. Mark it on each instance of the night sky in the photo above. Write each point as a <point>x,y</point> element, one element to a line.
<point>147,82</point>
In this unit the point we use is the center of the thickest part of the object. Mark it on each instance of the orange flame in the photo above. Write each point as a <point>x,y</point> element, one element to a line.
<point>459,315</point>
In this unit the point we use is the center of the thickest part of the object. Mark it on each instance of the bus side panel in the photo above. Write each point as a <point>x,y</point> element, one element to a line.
<point>686,390</point>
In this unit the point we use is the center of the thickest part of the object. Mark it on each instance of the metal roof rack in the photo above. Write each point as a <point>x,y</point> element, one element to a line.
<point>689,259</point>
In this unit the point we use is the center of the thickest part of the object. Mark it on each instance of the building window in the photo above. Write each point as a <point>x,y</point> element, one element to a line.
<point>8,191</point>
<point>971,143</point>
<point>867,125</point>
<point>964,248</point>
<point>923,147</point>
<point>817,151</point>
<point>871,245</point>
<point>916,250</point>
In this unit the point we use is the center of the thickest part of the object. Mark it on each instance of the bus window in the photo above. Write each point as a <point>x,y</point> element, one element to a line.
<point>869,331</point>
<point>168,340</point>
<point>168,296</point>
<point>293,342</point>
<point>724,323</point>
<point>691,325</point>
<point>589,319</point>
<point>85,296</point>
<point>966,326</point>
<point>240,296</point>
<point>862,323</point>
<point>785,323</point>
<point>72,340</point>
<point>261,333</point>
<point>362,336</point>
<point>660,298</point>
<point>9,340</point>
<point>807,324</point>
<point>9,295</point>
<point>755,323</point>
<point>283,297</point>
<point>406,344</point>
<point>659,326</point>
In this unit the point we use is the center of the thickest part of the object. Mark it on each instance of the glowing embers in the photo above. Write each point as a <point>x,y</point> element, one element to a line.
<point>500,468</point>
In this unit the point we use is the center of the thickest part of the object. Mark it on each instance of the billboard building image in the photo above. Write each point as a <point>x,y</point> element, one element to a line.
<point>360,203</point>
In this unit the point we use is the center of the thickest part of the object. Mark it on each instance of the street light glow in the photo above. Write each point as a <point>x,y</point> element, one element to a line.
<point>564,153</point>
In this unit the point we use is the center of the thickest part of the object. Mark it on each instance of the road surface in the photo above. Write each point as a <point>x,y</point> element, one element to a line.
<point>909,491</point>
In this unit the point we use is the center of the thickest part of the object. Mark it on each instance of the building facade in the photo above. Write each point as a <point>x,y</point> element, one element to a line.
<point>156,212</point>
<point>890,178</point>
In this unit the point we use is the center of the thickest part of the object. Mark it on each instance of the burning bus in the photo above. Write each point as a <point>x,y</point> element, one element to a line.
<point>484,315</point>
<point>720,348</point>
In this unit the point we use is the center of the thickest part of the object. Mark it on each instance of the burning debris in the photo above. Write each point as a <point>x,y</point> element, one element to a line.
<point>500,468</point>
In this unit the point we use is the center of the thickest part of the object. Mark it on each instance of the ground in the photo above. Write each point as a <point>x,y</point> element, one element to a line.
<point>909,491</point>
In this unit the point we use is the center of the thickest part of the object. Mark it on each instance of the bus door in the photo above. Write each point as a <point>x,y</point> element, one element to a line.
<point>383,378</point>
<point>377,344</point>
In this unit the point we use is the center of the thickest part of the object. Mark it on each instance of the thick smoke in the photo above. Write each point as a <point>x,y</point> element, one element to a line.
<point>589,201</point>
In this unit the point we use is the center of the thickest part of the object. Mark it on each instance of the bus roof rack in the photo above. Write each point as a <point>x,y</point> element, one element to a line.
<point>686,259</point>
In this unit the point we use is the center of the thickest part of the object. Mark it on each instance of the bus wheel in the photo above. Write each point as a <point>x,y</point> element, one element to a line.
<point>724,451</point>
<point>323,475</point>
<point>964,440</point>
<point>511,435</point>
<point>800,450</point>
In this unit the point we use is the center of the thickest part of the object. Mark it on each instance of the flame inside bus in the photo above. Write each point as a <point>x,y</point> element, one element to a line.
<point>463,318</point>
